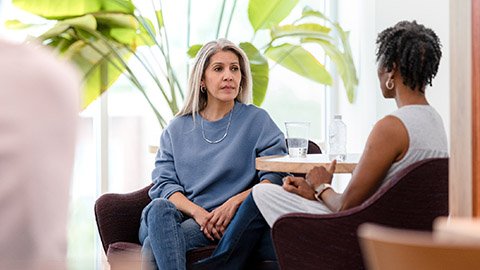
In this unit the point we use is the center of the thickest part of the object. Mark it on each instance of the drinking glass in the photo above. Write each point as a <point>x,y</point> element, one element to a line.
<point>297,138</point>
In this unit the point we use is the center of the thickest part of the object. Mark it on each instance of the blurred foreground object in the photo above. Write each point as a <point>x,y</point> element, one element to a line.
<point>38,122</point>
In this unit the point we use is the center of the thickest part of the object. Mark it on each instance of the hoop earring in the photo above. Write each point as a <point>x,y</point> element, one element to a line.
<point>390,84</point>
<point>202,89</point>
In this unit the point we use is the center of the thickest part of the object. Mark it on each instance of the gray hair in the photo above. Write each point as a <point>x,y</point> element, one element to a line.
<point>196,100</point>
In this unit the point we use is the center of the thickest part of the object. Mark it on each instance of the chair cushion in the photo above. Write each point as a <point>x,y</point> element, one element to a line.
<point>119,250</point>
<point>123,247</point>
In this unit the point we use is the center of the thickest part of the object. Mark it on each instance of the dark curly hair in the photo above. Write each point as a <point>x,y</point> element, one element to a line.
<point>415,49</point>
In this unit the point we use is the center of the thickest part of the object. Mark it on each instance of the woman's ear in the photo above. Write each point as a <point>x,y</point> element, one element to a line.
<point>392,71</point>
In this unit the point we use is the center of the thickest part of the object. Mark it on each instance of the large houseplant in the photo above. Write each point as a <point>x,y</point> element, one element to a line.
<point>102,36</point>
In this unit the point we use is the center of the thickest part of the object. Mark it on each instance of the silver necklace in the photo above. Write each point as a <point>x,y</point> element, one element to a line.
<point>224,135</point>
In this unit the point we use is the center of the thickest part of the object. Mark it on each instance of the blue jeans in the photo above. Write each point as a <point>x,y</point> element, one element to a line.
<point>246,239</point>
<point>166,235</point>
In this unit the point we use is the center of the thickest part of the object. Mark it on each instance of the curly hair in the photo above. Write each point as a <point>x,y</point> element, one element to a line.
<point>414,49</point>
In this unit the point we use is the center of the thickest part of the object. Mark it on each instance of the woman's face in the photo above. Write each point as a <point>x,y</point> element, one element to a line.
<point>222,77</point>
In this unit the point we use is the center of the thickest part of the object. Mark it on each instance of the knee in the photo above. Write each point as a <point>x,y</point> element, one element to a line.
<point>160,208</point>
<point>259,191</point>
<point>265,192</point>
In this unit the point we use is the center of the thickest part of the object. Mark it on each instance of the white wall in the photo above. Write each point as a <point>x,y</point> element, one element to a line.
<point>365,19</point>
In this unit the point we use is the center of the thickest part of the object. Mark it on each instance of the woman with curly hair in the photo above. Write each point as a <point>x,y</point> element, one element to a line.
<point>408,57</point>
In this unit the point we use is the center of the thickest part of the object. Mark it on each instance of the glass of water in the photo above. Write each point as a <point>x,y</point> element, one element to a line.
<point>297,138</point>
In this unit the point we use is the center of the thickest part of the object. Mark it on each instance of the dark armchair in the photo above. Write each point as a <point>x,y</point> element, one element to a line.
<point>412,200</point>
<point>118,222</point>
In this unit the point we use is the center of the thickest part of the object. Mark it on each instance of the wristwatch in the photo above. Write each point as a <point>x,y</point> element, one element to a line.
<point>320,189</point>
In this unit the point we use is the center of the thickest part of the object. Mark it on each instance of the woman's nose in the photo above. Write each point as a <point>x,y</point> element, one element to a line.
<point>228,76</point>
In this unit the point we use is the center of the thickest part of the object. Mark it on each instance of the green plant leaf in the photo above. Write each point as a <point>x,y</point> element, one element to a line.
<point>61,43</point>
<point>94,57</point>
<point>264,14</point>
<point>300,61</point>
<point>125,36</point>
<point>301,30</point>
<point>123,6</point>
<point>124,28</point>
<point>59,9</point>
<point>343,63</point>
<point>342,59</point>
<point>83,22</point>
<point>193,50</point>
<point>16,25</point>
<point>100,66</point>
<point>259,69</point>
<point>309,12</point>
<point>116,20</point>
<point>159,17</point>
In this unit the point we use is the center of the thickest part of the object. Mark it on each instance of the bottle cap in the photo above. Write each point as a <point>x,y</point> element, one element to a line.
<point>337,116</point>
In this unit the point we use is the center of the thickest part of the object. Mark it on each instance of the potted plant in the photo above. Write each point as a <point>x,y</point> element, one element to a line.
<point>102,36</point>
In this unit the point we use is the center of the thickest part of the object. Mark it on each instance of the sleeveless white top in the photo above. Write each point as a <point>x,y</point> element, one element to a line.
<point>426,133</point>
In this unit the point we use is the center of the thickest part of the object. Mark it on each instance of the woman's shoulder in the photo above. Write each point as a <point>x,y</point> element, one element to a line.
<point>179,122</point>
<point>420,116</point>
<point>415,110</point>
<point>253,110</point>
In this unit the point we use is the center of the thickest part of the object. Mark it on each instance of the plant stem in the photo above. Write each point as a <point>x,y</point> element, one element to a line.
<point>230,19</point>
<point>189,8</point>
<point>149,71</point>
<point>220,19</point>
<point>170,76</point>
<point>253,37</point>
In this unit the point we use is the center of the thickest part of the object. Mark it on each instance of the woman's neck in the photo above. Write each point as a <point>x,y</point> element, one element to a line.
<point>406,96</point>
<point>217,110</point>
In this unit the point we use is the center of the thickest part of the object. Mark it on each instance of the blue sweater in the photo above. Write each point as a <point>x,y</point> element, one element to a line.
<point>209,174</point>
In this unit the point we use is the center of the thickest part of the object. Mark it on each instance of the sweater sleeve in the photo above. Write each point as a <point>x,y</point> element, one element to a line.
<point>164,176</point>
<point>271,142</point>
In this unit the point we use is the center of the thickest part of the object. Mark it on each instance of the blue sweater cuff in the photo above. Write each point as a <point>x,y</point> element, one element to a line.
<point>275,178</point>
<point>168,191</point>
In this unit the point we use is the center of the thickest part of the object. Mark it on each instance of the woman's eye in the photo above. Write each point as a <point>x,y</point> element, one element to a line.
<point>235,68</point>
<point>217,69</point>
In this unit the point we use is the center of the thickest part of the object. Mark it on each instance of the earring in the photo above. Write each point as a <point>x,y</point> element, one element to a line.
<point>390,84</point>
<point>202,89</point>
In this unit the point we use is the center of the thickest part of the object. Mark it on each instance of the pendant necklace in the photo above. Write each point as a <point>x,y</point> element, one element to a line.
<point>224,135</point>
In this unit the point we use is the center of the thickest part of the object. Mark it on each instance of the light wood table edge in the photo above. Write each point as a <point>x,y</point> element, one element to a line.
<point>262,164</point>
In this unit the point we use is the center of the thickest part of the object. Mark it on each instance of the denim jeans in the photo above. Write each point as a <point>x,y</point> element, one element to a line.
<point>247,238</point>
<point>166,235</point>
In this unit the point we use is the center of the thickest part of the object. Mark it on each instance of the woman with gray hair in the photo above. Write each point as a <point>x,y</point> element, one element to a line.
<point>205,167</point>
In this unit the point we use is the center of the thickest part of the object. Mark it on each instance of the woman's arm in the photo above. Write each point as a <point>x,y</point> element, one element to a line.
<point>271,141</point>
<point>387,143</point>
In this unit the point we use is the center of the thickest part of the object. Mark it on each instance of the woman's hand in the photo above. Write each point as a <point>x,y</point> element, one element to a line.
<point>320,175</point>
<point>299,186</point>
<point>202,216</point>
<point>218,219</point>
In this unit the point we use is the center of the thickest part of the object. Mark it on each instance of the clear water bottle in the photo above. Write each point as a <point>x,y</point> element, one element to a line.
<point>337,138</point>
